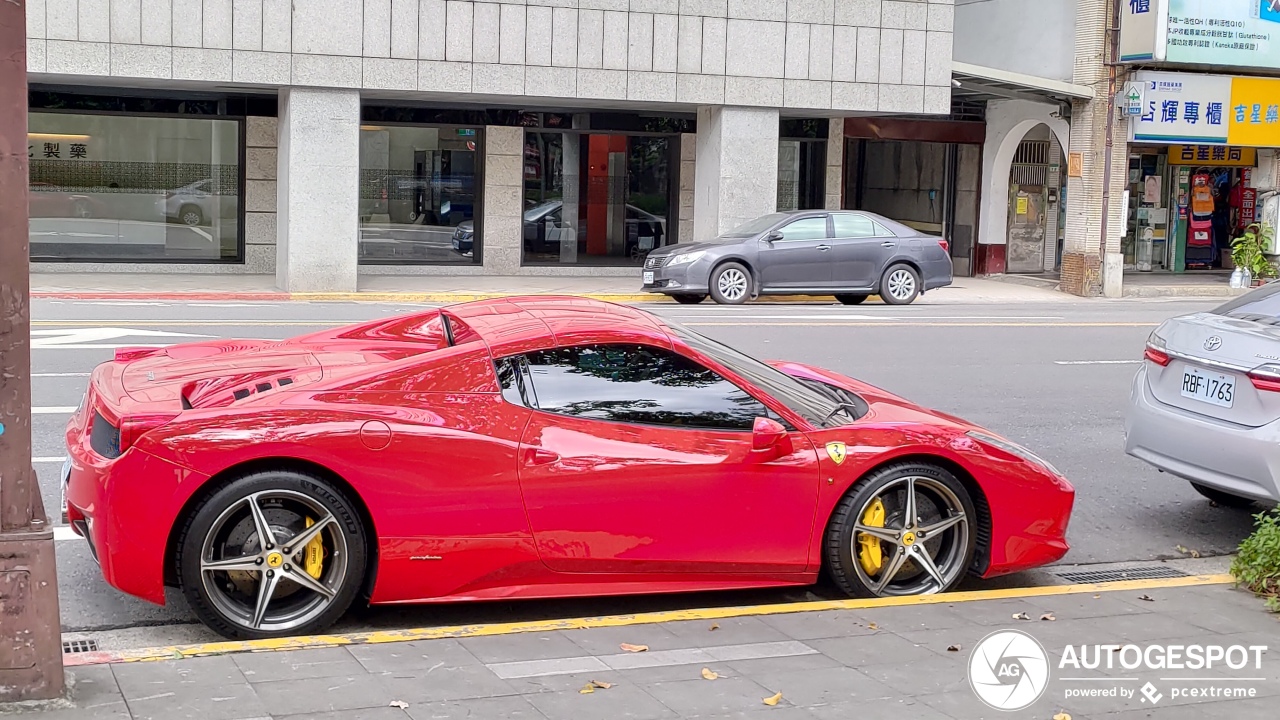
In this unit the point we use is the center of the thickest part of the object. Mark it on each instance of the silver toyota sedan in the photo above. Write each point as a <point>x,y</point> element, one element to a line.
<point>850,254</point>
<point>1206,404</point>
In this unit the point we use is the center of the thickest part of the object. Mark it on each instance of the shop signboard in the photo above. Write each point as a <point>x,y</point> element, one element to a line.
<point>1183,108</point>
<point>1255,112</point>
<point>1212,155</point>
<point>1227,33</point>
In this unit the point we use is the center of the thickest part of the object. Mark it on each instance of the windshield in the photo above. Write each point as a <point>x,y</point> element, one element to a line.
<point>755,227</point>
<point>538,211</point>
<point>820,411</point>
<point>1261,305</point>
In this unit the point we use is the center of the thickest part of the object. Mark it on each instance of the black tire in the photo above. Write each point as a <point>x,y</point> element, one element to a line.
<point>852,299</point>
<point>1225,499</point>
<point>191,216</point>
<point>958,547</point>
<point>346,532</point>
<point>902,276</point>
<point>738,284</point>
<point>687,299</point>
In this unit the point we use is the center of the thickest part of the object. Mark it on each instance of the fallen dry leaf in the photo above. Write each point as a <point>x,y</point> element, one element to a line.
<point>714,626</point>
<point>1062,716</point>
<point>591,687</point>
<point>399,704</point>
<point>1095,597</point>
<point>1021,616</point>
<point>1048,616</point>
<point>587,689</point>
<point>953,648</point>
<point>1148,598</point>
<point>709,674</point>
<point>772,700</point>
<point>1188,551</point>
<point>873,626</point>
<point>601,684</point>
<point>634,648</point>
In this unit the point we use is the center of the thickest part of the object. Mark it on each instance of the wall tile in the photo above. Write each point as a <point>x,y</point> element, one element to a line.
<point>821,42</point>
<point>651,86</point>
<point>700,89</point>
<point>858,12</point>
<point>260,132</point>
<point>689,54</point>
<point>937,58</point>
<point>493,79</point>
<point>854,96</point>
<point>845,55</point>
<point>561,82</point>
<point>260,228</point>
<point>940,18</point>
<point>590,40</point>
<point>668,7</point>
<point>622,5</point>
<point>432,26</point>
<point>157,22</point>
<point>758,9</point>
<point>901,98</point>
<point>62,19</point>
<point>709,8</point>
<point>444,77</point>
<point>260,196</point>
<point>95,20</point>
<point>70,57</point>
<point>893,15</point>
<point>868,55</point>
<point>640,43</point>
<point>334,71</point>
<point>390,73</point>
<point>246,24</point>
<point>615,40</point>
<point>753,91</point>
<point>36,20</point>
<point>488,32</point>
<point>714,40</point>
<point>325,27</point>
<point>891,56</point>
<point>913,47</point>
<point>539,30</point>
<point>666,42</point>
<point>217,24</point>
<point>459,34</point>
<point>808,94</point>
<point>126,21</point>
<point>202,64</point>
<point>404,29</point>
<point>917,15</point>
<point>796,62</point>
<point>36,55</point>
<point>937,100</point>
<point>811,11</point>
<point>602,84</point>
<point>756,48</point>
<point>564,37</point>
<point>506,143</point>
<point>141,61</point>
<point>260,163</point>
<point>511,45</point>
<point>277,25</point>
<point>263,68</point>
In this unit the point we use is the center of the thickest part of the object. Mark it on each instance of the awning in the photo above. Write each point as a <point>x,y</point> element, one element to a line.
<point>980,83</point>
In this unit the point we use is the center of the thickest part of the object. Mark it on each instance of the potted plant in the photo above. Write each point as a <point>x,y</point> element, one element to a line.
<point>1246,253</point>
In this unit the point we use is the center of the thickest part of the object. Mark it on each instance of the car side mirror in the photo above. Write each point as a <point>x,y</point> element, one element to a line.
<point>767,434</point>
<point>773,236</point>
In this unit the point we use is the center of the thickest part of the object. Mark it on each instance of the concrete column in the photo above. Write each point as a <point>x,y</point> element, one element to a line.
<point>502,218</point>
<point>835,166</point>
<point>261,164</point>
<point>688,172</point>
<point>317,191</point>
<point>736,171</point>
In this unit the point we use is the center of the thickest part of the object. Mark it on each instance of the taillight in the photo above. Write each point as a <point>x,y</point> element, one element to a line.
<point>133,427</point>
<point>1266,377</point>
<point>946,247</point>
<point>1156,355</point>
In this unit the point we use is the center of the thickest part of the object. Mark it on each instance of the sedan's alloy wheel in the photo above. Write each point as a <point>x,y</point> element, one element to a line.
<point>732,284</point>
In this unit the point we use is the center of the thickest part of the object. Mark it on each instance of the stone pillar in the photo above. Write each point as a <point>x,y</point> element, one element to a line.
<point>688,172</point>
<point>502,219</point>
<point>736,172</point>
<point>261,163</point>
<point>1054,184</point>
<point>835,165</point>
<point>317,236</point>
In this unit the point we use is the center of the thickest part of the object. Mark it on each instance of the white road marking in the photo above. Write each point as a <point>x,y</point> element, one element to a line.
<point>50,375</point>
<point>49,459</point>
<point>661,658</point>
<point>64,532</point>
<point>1096,362</point>
<point>53,410</point>
<point>231,305</point>
<point>94,337</point>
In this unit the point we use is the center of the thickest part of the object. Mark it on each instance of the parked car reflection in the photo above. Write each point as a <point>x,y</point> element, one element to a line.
<point>543,223</point>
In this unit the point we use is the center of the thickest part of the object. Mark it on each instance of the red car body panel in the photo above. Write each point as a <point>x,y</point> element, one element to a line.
<point>470,496</point>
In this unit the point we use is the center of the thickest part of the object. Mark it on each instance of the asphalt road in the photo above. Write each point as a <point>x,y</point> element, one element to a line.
<point>1054,377</point>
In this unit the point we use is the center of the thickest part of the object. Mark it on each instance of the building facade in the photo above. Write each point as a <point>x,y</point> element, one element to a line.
<point>324,139</point>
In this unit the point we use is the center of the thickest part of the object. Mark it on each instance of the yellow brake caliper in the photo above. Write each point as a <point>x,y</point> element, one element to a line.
<point>870,556</point>
<point>313,556</point>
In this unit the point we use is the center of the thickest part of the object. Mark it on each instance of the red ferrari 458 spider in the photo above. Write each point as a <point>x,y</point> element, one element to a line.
<point>527,448</point>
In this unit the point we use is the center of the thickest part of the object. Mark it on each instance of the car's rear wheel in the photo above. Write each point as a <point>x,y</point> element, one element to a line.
<point>299,581</point>
<point>731,284</point>
<point>900,285</point>
<point>907,529</point>
<point>852,299</point>
<point>191,216</point>
<point>687,299</point>
<point>1224,499</point>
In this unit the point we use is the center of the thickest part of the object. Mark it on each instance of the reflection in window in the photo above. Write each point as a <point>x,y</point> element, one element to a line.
<point>849,225</point>
<point>806,229</point>
<point>418,194</point>
<point>802,167</point>
<point>639,384</point>
<point>595,199</point>
<point>123,188</point>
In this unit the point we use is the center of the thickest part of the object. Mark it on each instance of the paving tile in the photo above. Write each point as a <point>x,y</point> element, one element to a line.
<point>880,648</point>
<point>695,698</point>
<point>457,682</point>
<point>766,667</point>
<point>507,708</point>
<point>919,677</point>
<point>298,664</point>
<point>208,702</point>
<point>608,641</point>
<point>966,706</point>
<point>1151,628</point>
<point>325,694</point>
<point>779,712</point>
<point>93,685</point>
<point>930,617</point>
<point>672,673</point>
<point>1082,606</point>
<point>415,655</point>
<point>624,702</point>
<point>573,683</point>
<point>816,625</point>
<point>522,646</point>
<point>729,631</point>
<point>378,713</point>
<point>543,668</point>
<point>101,710</point>
<point>139,679</point>
<point>883,709</point>
<point>629,661</point>
<point>825,686</point>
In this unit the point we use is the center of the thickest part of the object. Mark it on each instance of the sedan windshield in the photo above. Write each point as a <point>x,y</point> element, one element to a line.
<point>820,411</point>
<point>1261,305</point>
<point>755,227</point>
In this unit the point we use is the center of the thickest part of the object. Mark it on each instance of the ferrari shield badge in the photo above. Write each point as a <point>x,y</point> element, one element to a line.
<point>837,452</point>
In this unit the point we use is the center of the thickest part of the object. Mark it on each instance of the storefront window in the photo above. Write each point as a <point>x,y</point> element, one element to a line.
<point>419,198</point>
<point>596,199</point>
<point>802,164</point>
<point>121,188</point>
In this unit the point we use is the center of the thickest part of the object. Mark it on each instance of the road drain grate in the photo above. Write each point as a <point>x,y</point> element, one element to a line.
<point>79,646</point>
<point>1149,572</point>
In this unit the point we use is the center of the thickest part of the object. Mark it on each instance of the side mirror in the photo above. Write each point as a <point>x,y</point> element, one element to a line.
<point>767,434</point>
<point>773,236</point>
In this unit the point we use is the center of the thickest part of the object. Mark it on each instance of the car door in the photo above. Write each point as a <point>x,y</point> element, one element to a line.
<point>860,250</point>
<point>798,258</point>
<point>637,459</point>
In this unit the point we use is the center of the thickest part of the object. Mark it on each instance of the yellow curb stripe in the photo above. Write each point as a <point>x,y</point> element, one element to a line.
<point>173,652</point>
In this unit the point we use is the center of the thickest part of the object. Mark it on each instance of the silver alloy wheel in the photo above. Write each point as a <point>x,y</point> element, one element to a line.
<point>901,284</point>
<point>919,557</point>
<point>275,569</point>
<point>191,218</point>
<point>732,284</point>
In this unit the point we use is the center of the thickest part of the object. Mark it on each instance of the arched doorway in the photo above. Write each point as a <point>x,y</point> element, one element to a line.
<point>1035,186</point>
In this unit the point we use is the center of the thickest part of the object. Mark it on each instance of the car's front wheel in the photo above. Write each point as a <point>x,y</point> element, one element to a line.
<point>907,529</point>
<point>1224,499</point>
<point>731,284</point>
<point>273,553</point>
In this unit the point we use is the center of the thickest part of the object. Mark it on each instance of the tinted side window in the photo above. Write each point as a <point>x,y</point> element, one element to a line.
<point>639,384</point>
<point>806,229</point>
<point>853,226</point>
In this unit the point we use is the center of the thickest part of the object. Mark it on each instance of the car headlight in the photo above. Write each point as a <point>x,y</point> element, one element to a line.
<point>686,257</point>
<point>1013,449</point>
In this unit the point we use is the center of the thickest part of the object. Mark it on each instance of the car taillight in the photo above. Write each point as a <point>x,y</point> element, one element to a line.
<point>946,247</point>
<point>133,427</point>
<point>1156,355</point>
<point>1266,377</point>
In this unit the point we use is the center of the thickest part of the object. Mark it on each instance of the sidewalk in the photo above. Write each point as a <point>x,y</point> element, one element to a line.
<point>447,289</point>
<point>1195,284</point>
<point>836,660</point>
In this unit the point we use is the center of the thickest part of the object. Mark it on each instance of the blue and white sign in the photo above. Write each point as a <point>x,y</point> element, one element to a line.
<point>1182,108</point>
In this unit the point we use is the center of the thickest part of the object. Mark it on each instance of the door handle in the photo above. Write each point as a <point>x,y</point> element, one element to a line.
<point>824,248</point>
<point>888,244</point>
<point>538,456</point>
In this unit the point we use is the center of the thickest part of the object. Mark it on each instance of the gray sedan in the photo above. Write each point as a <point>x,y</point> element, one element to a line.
<point>1205,406</point>
<point>851,255</point>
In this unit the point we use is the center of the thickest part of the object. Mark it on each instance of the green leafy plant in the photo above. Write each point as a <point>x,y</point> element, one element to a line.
<point>1246,251</point>
<point>1257,564</point>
